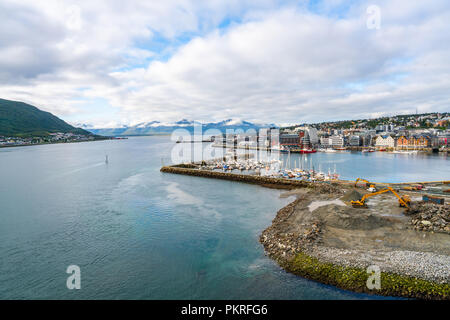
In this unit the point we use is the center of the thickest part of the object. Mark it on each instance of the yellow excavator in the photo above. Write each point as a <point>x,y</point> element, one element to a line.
<point>369,185</point>
<point>404,201</point>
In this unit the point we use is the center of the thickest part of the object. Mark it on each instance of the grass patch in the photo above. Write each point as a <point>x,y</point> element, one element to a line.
<point>355,279</point>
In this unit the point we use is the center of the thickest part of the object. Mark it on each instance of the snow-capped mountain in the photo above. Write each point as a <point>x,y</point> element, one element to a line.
<point>156,127</point>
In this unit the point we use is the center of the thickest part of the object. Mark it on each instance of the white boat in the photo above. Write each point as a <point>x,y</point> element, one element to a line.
<point>403,152</point>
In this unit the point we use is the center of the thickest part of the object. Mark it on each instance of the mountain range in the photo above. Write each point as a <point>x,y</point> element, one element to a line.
<point>24,120</point>
<point>162,128</point>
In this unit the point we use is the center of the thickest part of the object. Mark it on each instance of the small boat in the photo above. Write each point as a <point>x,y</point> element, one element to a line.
<point>278,148</point>
<point>327,150</point>
<point>304,151</point>
<point>403,152</point>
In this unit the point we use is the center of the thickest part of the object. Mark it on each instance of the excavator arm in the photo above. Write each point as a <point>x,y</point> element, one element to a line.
<point>362,202</point>
<point>403,201</point>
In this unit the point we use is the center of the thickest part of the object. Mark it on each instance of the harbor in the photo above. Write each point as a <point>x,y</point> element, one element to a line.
<point>322,165</point>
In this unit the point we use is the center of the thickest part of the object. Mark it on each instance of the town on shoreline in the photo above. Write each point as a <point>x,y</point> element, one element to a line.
<point>51,138</point>
<point>426,133</point>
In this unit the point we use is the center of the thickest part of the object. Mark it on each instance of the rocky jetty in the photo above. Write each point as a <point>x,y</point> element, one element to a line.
<point>246,178</point>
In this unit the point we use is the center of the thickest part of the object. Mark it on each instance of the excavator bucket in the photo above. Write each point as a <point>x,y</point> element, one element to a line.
<point>358,204</point>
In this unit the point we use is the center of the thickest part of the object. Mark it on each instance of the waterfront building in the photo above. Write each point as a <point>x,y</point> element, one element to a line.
<point>402,141</point>
<point>290,140</point>
<point>366,140</point>
<point>313,136</point>
<point>325,142</point>
<point>354,141</point>
<point>422,141</point>
<point>304,140</point>
<point>385,141</point>
<point>337,141</point>
<point>443,140</point>
<point>419,141</point>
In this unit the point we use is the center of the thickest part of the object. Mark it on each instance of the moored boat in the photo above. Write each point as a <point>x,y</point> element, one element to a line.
<point>303,151</point>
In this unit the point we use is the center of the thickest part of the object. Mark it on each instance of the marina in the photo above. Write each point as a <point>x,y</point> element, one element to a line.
<point>303,170</point>
<point>324,165</point>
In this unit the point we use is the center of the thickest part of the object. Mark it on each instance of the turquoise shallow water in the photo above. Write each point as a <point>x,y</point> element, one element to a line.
<point>137,233</point>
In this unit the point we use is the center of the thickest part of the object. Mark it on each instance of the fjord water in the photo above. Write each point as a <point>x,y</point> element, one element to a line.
<point>137,233</point>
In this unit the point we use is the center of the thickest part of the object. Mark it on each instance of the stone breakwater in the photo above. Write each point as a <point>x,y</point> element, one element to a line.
<point>264,181</point>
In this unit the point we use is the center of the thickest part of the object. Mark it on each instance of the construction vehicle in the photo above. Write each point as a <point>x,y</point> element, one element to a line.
<point>413,188</point>
<point>369,185</point>
<point>428,198</point>
<point>403,201</point>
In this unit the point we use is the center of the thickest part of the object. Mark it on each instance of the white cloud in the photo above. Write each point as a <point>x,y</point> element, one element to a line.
<point>278,64</point>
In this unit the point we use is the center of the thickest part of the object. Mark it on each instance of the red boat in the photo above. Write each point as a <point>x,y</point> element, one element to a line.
<point>305,151</point>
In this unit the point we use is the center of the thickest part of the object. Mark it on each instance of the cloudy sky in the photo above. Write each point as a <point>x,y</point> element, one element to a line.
<point>124,62</point>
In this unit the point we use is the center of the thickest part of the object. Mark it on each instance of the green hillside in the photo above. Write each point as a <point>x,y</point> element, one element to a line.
<point>21,119</point>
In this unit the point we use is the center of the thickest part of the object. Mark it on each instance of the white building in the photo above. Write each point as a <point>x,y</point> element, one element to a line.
<point>325,142</point>
<point>337,141</point>
<point>313,137</point>
<point>385,141</point>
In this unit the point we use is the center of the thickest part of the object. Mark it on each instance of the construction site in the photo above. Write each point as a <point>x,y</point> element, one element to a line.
<point>333,234</point>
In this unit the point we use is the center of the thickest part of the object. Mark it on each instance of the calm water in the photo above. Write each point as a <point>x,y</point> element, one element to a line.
<point>378,166</point>
<point>139,234</point>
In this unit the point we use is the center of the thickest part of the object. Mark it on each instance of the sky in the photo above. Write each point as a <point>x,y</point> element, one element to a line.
<point>108,63</point>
